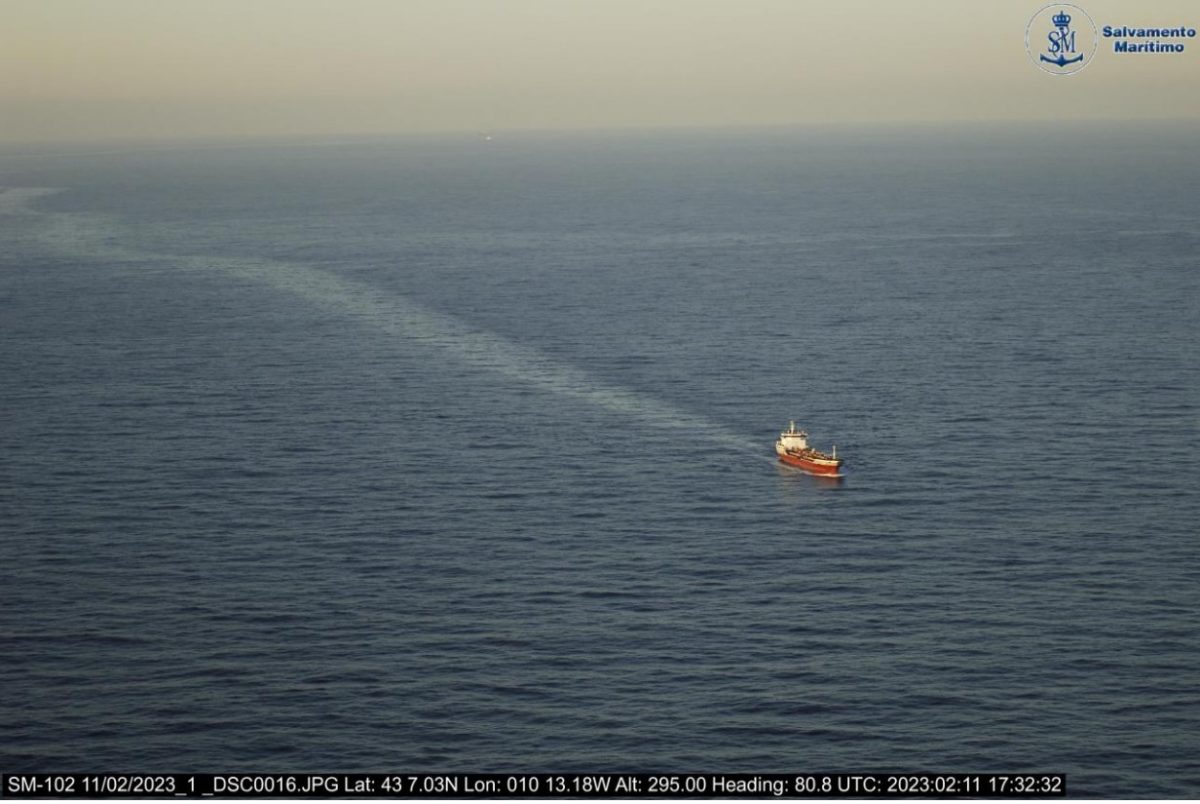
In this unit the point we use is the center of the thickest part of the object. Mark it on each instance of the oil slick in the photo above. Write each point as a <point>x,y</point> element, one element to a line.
<point>86,236</point>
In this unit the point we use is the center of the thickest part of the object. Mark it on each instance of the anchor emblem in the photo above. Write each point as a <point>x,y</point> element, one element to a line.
<point>1062,41</point>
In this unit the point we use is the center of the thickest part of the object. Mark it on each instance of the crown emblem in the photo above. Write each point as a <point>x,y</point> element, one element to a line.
<point>1064,47</point>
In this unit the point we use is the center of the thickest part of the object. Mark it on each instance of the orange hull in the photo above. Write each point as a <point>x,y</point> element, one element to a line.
<point>826,469</point>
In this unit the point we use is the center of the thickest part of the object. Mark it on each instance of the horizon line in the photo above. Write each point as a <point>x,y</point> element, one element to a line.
<point>218,140</point>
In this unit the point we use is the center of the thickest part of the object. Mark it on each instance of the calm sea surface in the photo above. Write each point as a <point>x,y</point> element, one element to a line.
<point>457,455</point>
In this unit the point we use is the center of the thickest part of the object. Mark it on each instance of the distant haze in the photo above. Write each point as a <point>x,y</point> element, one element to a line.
<point>81,69</point>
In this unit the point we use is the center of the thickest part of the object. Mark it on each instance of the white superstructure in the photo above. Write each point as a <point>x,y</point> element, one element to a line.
<point>791,438</point>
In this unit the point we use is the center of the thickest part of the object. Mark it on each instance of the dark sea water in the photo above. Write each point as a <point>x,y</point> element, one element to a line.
<point>456,454</point>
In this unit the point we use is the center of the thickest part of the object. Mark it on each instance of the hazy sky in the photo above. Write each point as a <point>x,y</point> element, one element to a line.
<point>79,69</point>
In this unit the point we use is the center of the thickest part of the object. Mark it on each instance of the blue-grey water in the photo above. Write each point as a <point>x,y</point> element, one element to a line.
<point>456,454</point>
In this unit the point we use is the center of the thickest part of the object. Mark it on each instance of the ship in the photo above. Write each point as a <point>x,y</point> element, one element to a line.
<point>793,449</point>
